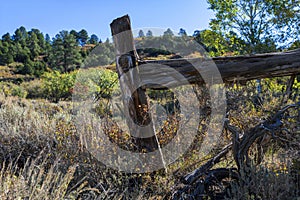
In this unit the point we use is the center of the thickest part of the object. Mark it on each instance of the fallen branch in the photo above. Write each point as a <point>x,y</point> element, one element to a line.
<point>201,180</point>
<point>193,176</point>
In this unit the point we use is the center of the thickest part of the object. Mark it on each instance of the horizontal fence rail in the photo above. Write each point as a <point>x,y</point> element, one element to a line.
<point>232,69</point>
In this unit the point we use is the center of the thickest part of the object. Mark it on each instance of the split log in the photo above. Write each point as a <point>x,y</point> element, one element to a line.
<point>232,69</point>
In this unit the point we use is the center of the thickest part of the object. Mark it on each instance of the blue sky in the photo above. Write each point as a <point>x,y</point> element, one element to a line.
<point>52,16</point>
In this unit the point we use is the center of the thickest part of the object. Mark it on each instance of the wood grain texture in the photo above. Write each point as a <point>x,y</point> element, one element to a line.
<point>135,101</point>
<point>232,69</point>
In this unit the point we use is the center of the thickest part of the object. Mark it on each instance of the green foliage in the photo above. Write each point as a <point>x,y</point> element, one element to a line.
<point>218,45</point>
<point>95,83</point>
<point>11,89</point>
<point>259,23</point>
<point>6,38</point>
<point>34,47</point>
<point>6,54</point>
<point>34,89</point>
<point>58,86</point>
<point>21,53</point>
<point>37,52</point>
<point>101,55</point>
<point>83,37</point>
<point>29,67</point>
<point>168,32</point>
<point>167,44</point>
<point>94,39</point>
<point>41,40</point>
<point>295,45</point>
<point>149,33</point>
<point>39,68</point>
<point>21,36</point>
<point>182,32</point>
<point>141,34</point>
<point>65,54</point>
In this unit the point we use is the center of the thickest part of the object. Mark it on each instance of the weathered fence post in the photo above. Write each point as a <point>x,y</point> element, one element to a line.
<point>134,97</point>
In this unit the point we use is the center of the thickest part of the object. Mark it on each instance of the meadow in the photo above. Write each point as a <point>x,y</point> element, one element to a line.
<point>44,156</point>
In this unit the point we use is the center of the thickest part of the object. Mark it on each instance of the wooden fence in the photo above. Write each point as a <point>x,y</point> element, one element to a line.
<point>232,69</point>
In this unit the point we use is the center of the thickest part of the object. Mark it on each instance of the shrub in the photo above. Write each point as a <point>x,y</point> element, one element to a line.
<point>95,83</point>
<point>58,86</point>
<point>36,68</point>
<point>34,88</point>
<point>26,68</point>
<point>11,89</point>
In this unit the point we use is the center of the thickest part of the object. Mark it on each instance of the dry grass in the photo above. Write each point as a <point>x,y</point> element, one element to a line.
<point>34,181</point>
<point>43,157</point>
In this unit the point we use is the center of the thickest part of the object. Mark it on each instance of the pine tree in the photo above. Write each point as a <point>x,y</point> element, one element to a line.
<point>6,38</point>
<point>83,37</point>
<point>141,34</point>
<point>65,52</point>
<point>40,38</point>
<point>168,32</point>
<point>182,32</point>
<point>6,56</point>
<point>33,45</point>
<point>21,36</point>
<point>21,54</point>
<point>6,50</point>
<point>149,33</point>
<point>94,39</point>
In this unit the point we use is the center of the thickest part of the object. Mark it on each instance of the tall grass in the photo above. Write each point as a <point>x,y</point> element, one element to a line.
<point>43,157</point>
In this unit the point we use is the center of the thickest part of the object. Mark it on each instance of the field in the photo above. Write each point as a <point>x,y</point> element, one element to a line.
<point>211,113</point>
<point>44,156</point>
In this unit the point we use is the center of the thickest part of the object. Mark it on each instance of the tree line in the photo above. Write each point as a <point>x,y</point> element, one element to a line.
<point>34,52</point>
<point>239,27</point>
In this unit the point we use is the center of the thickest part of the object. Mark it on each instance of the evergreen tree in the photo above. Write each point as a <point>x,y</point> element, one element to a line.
<point>20,36</point>
<point>182,32</point>
<point>65,52</point>
<point>196,33</point>
<point>141,34</point>
<point>76,35</point>
<point>27,68</point>
<point>22,54</point>
<point>83,37</point>
<point>33,45</point>
<point>168,32</point>
<point>6,38</point>
<point>149,33</point>
<point>6,56</point>
<point>94,39</point>
<point>47,48</point>
<point>6,50</point>
<point>107,41</point>
<point>47,39</point>
<point>40,38</point>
